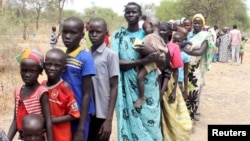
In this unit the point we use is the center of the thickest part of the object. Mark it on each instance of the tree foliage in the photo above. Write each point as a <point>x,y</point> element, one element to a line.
<point>219,12</point>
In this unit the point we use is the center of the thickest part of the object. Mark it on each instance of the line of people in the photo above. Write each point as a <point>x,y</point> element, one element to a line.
<point>153,85</point>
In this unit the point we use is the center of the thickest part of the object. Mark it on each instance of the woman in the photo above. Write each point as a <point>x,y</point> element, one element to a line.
<point>200,60</point>
<point>176,122</point>
<point>135,123</point>
<point>223,46</point>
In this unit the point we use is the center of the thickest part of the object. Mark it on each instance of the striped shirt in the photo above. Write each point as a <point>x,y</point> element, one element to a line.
<point>29,105</point>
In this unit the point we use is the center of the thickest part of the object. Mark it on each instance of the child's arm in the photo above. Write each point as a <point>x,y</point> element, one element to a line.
<point>106,128</point>
<point>13,129</point>
<point>46,112</point>
<point>166,74</point>
<point>72,110</point>
<point>65,118</point>
<point>87,87</point>
<point>173,94</point>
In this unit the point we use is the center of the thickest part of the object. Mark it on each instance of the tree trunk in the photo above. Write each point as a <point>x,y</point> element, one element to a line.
<point>37,20</point>
<point>24,32</point>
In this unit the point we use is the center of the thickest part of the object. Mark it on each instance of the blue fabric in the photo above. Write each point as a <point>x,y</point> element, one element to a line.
<point>185,58</point>
<point>77,67</point>
<point>142,124</point>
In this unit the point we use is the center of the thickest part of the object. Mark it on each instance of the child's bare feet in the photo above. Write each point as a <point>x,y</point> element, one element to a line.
<point>139,102</point>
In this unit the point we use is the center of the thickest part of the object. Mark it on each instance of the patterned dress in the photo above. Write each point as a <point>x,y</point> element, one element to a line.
<point>140,124</point>
<point>223,49</point>
<point>197,68</point>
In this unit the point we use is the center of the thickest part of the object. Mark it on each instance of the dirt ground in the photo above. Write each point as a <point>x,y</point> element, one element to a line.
<point>225,99</point>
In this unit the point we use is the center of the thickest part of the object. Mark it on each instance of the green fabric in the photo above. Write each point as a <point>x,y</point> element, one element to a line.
<point>242,45</point>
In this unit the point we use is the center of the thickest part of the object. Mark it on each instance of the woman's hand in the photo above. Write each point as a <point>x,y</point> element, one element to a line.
<point>172,97</point>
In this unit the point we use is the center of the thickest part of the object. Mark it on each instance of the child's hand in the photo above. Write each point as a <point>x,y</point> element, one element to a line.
<point>144,49</point>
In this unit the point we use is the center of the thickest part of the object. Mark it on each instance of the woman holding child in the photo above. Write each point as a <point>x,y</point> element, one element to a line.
<point>176,122</point>
<point>135,123</point>
<point>201,56</point>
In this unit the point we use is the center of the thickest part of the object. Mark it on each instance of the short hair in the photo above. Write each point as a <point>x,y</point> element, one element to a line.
<point>33,118</point>
<point>234,26</point>
<point>100,20</point>
<point>187,19</point>
<point>135,4</point>
<point>144,17</point>
<point>76,19</point>
<point>58,51</point>
<point>53,28</point>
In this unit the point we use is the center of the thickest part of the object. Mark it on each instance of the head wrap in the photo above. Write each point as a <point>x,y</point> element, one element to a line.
<point>33,54</point>
<point>201,17</point>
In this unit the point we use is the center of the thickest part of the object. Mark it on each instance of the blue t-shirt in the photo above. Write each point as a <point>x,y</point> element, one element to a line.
<point>78,66</point>
<point>185,58</point>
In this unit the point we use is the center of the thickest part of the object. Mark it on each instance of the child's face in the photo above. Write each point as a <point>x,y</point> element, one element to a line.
<point>54,65</point>
<point>187,25</point>
<point>30,71</point>
<point>148,27</point>
<point>71,34</point>
<point>177,39</point>
<point>33,134</point>
<point>97,33</point>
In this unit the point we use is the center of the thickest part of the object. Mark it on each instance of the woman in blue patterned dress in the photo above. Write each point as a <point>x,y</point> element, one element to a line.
<point>135,124</point>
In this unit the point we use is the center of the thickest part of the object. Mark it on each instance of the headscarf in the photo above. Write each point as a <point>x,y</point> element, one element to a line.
<point>201,17</point>
<point>33,54</point>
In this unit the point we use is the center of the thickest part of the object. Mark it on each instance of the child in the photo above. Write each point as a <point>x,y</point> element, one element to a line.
<point>3,136</point>
<point>53,37</point>
<point>32,97</point>
<point>182,71</point>
<point>79,70</point>
<point>244,40</point>
<point>151,27</point>
<point>187,24</point>
<point>105,82</point>
<point>63,105</point>
<point>33,128</point>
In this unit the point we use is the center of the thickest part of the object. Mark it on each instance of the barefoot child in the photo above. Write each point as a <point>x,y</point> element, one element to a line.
<point>33,128</point>
<point>63,105</point>
<point>32,97</point>
<point>243,41</point>
<point>79,71</point>
<point>151,27</point>
<point>182,71</point>
<point>105,82</point>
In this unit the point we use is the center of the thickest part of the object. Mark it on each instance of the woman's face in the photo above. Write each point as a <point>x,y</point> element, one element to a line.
<point>197,24</point>
<point>132,14</point>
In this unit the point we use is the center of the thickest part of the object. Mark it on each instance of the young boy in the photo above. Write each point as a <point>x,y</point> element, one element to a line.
<point>105,82</point>
<point>79,71</point>
<point>63,105</point>
<point>153,39</point>
<point>53,37</point>
<point>182,71</point>
<point>33,128</point>
<point>243,41</point>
